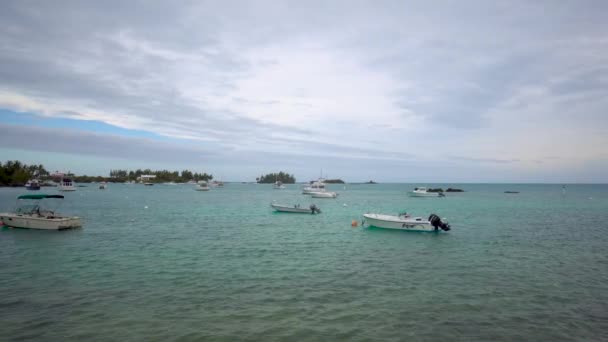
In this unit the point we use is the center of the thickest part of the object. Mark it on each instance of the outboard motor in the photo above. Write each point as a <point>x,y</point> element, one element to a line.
<point>314,209</point>
<point>437,223</point>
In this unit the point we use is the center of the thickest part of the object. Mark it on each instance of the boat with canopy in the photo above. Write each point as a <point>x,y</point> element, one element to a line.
<point>29,213</point>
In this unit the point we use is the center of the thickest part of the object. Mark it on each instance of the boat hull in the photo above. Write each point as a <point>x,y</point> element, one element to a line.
<point>424,194</point>
<point>323,194</point>
<point>44,223</point>
<point>398,223</point>
<point>201,189</point>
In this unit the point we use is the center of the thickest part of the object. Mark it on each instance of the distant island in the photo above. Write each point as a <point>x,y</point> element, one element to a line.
<point>334,181</point>
<point>370,182</point>
<point>270,178</point>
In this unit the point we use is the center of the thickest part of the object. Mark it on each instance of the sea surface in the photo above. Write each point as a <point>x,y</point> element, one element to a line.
<point>167,263</point>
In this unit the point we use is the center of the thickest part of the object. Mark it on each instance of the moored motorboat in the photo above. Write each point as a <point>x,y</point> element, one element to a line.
<point>217,184</point>
<point>316,186</point>
<point>424,192</point>
<point>32,216</point>
<point>66,184</point>
<point>278,185</point>
<point>406,222</point>
<point>103,185</point>
<point>312,209</point>
<point>32,184</point>
<point>202,186</point>
<point>324,194</point>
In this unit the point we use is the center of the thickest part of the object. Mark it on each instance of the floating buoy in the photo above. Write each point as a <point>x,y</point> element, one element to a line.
<point>345,205</point>
<point>146,207</point>
<point>354,223</point>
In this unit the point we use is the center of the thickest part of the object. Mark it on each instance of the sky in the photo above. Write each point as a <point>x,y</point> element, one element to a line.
<point>394,91</point>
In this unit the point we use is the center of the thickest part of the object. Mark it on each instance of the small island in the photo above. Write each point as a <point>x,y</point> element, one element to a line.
<point>270,178</point>
<point>334,181</point>
<point>370,182</point>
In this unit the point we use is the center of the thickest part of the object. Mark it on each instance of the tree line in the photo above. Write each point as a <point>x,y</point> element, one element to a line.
<point>16,173</point>
<point>161,176</point>
<point>273,177</point>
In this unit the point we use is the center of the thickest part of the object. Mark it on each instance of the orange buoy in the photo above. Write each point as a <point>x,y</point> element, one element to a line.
<point>354,223</point>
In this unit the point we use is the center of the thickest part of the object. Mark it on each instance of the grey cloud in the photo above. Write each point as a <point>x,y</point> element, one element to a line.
<point>485,160</point>
<point>101,145</point>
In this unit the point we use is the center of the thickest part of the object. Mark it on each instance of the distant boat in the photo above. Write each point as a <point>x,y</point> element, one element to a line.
<point>278,185</point>
<point>312,209</point>
<point>217,184</point>
<point>324,194</point>
<point>316,186</point>
<point>66,184</point>
<point>423,192</point>
<point>406,222</point>
<point>32,184</point>
<point>32,216</point>
<point>148,183</point>
<point>202,186</point>
<point>103,185</point>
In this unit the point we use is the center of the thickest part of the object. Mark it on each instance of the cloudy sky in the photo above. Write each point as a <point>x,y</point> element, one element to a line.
<point>435,91</point>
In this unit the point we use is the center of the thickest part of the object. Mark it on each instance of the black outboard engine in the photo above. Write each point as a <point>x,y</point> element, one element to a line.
<point>314,209</point>
<point>436,222</point>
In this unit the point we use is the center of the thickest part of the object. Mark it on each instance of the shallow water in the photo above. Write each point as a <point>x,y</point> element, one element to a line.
<point>169,263</point>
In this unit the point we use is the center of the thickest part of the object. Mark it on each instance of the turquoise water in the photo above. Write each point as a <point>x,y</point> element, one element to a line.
<point>169,263</point>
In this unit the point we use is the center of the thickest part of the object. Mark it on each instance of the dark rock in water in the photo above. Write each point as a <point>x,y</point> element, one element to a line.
<point>435,190</point>
<point>511,192</point>
<point>454,190</point>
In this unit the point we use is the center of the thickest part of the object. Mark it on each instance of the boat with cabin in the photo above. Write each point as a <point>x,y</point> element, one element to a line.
<point>202,186</point>
<point>32,184</point>
<point>403,221</point>
<point>316,186</point>
<point>66,184</point>
<point>30,214</point>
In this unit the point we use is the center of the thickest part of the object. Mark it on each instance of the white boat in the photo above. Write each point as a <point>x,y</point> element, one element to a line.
<point>32,184</point>
<point>278,185</point>
<point>202,186</point>
<point>406,222</point>
<point>316,186</point>
<point>32,216</point>
<point>66,184</point>
<point>217,184</point>
<point>312,209</point>
<point>103,185</point>
<point>324,194</point>
<point>423,192</point>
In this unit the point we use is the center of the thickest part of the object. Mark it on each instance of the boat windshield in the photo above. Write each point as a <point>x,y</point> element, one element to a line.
<point>27,209</point>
